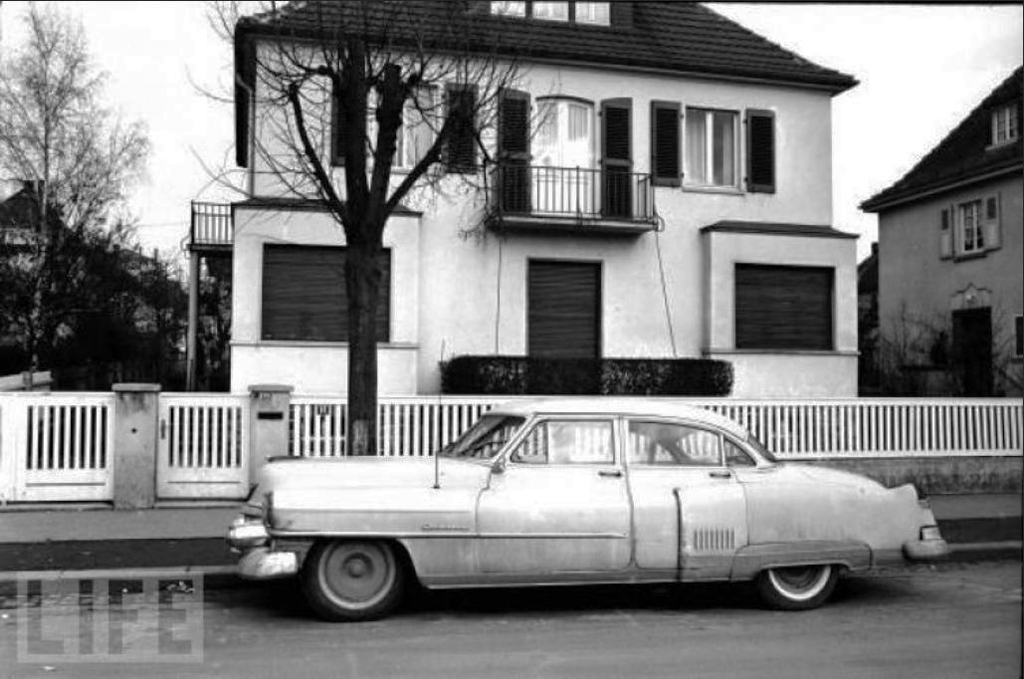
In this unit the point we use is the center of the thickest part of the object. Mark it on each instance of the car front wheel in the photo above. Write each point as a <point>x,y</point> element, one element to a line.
<point>352,580</point>
<point>797,588</point>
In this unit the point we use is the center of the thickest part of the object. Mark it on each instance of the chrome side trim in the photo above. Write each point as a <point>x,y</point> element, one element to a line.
<point>445,532</point>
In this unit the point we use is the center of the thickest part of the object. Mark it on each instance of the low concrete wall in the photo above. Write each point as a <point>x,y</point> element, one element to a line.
<point>937,476</point>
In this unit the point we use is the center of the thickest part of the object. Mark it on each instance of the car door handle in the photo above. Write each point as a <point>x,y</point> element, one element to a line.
<point>610,472</point>
<point>720,474</point>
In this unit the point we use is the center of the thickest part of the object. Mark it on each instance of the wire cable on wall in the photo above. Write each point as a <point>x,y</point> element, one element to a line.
<point>664,287</point>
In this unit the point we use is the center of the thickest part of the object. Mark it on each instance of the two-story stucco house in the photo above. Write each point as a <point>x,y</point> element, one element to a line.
<point>951,253</point>
<point>672,200</point>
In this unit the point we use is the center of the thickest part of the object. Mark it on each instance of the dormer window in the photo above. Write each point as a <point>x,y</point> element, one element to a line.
<point>597,13</point>
<point>551,11</point>
<point>508,8</point>
<point>592,13</point>
<point>1004,125</point>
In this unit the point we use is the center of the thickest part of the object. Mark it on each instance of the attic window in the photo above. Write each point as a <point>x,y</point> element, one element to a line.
<point>1004,125</point>
<point>509,8</point>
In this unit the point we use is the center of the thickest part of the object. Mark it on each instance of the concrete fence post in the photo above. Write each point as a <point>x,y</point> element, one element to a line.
<point>136,415</point>
<point>269,410</point>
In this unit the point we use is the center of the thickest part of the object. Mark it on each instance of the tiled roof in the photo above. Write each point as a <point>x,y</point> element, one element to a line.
<point>964,154</point>
<point>673,36</point>
<point>815,230</point>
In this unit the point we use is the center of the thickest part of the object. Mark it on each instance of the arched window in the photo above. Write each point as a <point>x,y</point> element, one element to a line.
<point>565,133</point>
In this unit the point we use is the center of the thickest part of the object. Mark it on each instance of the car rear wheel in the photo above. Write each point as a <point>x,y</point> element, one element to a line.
<point>352,580</point>
<point>797,588</point>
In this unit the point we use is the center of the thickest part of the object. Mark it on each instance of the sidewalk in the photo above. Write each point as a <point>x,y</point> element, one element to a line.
<point>978,527</point>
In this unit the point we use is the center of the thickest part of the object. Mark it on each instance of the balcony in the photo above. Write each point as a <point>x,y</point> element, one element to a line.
<point>212,228</point>
<point>608,201</point>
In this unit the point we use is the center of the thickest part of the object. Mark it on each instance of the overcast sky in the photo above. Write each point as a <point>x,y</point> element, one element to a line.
<point>921,69</point>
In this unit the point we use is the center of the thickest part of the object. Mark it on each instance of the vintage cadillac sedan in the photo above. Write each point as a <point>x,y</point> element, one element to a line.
<point>557,492</point>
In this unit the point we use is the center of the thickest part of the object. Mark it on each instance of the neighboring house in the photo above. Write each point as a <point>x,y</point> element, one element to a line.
<point>867,321</point>
<point>950,255</point>
<point>19,216</point>
<point>681,206</point>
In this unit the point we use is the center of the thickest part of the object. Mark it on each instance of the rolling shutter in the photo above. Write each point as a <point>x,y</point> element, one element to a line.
<point>783,307</point>
<point>564,317</point>
<point>337,130</point>
<point>514,150</point>
<point>617,157</point>
<point>760,151</point>
<point>304,296</point>
<point>665,165</point>
<point>460,148</point>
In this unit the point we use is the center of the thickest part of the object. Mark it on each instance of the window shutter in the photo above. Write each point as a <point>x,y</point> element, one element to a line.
<point>514,150</point>
<point>460,149</point>
<point>337,130</point>
<point>991,217</point>
<point>617,157</point>
<point>783,307</point>
<point>946,234</point>
<point>760,151</point>
<point>304,296</point>
<point>564,317</point>
<point>665,164</point>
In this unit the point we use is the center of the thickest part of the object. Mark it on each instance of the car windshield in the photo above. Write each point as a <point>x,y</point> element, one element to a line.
<point>761,449</point>
<point>484,439</point>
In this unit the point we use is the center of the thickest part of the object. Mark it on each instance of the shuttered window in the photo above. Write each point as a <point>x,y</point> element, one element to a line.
<point>784,307</point>
<point>760,151</point>
<point>665,164</point>
<point>304,295</point>
<point>564,300</point>
<point>514,150</point>
<point>617,157</point>
<point>460,149</point>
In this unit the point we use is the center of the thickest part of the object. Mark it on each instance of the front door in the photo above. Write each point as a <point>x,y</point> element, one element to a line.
<point>972,350</point>
<point>559,505</point>
<point>689,509</point>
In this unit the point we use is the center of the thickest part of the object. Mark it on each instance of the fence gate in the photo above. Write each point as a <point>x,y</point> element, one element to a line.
<point>203,447</point>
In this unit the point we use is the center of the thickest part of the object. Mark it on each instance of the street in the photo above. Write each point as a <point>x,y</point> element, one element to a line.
<point>954,620</point>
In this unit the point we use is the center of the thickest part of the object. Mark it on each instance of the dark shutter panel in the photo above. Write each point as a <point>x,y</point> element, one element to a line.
<point>617,157</point>
<point>460,150</point>
<point>760,151</point>
<point>337,130</point>
<point>621,14</point>
<point>783,307</point>
<point>304,295</point>
<point>665,164</point>
<point>514,150</point>
<point>564,309</point>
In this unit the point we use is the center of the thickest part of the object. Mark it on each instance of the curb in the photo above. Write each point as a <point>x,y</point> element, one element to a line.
<point>226,577</point>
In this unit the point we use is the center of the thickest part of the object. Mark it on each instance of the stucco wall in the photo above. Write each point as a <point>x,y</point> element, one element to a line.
<point>456,292</point>
<point>914,283</point>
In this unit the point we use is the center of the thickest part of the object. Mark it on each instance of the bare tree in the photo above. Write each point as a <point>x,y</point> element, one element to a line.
<point>339,84</point>
<point>79,155</point>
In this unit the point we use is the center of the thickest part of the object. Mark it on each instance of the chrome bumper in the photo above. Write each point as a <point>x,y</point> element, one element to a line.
<point>260,563</point>
<point>925,550</point>
<point>246,534</point>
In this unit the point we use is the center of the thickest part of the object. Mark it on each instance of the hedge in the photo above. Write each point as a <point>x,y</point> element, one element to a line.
<point>576,376</point>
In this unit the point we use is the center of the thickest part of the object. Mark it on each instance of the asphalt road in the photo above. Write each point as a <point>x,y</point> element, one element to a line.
<point>957,620</point>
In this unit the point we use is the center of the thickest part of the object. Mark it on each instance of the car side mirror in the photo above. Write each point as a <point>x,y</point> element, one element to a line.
<point>498,466</point>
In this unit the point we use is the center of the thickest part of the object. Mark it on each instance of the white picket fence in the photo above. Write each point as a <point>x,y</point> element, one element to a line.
<point>60,446</point>
<point>56,447</point>
<point>792,429</point>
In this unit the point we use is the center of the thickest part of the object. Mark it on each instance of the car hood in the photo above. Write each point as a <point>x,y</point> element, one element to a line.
<point>298,473</point>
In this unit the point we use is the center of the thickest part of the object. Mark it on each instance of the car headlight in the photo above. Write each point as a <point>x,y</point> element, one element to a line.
<point>931,533</point>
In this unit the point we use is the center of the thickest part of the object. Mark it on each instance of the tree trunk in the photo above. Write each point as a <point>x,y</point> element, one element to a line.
<point>362,279</point>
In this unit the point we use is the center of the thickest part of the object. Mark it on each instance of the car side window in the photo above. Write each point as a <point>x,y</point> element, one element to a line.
<point>736,456</point>
<point>566,442</point>
<point>655,444</point>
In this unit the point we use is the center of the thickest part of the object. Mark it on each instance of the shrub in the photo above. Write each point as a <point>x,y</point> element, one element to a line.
<point>576,376</point>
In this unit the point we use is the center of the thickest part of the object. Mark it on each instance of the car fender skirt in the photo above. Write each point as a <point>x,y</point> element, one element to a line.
<point>751,560</point>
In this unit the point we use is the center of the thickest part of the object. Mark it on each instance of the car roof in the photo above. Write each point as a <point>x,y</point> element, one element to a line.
<point>630,407</point>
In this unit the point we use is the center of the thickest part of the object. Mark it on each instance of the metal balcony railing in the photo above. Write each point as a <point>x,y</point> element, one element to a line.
<point>211,225</point>
<point>609,194</point>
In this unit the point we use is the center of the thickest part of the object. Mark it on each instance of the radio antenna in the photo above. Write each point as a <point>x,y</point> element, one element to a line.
<point>437,453</point>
